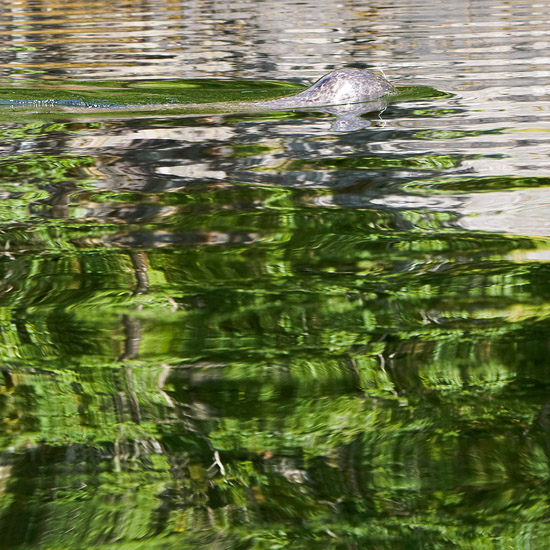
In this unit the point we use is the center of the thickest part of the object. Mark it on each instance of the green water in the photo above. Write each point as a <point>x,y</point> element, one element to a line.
<point>177,96</point>
<point>245,330</point>
<point>225,327</point>
<point>151,93</point>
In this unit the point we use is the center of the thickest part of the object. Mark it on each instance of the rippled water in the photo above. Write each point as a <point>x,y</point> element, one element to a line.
<point>229,327</point>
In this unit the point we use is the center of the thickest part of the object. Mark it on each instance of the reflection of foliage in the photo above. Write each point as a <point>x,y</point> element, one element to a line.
<point>36,129</point>
<point>343,411</point>
<point>252,371</point>
<point>53,169</point>
<point>477,184</point>
<point>425,162</point>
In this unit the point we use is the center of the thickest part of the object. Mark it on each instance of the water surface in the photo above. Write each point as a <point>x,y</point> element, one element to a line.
<point>224,327</point>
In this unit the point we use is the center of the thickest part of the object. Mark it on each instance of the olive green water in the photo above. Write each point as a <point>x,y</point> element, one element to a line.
<point>225,327</point>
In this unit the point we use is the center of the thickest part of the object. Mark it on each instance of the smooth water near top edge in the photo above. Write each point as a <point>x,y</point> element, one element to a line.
<point>224,327</point>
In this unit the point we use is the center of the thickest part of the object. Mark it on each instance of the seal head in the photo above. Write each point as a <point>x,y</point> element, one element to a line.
<point>338,88</point>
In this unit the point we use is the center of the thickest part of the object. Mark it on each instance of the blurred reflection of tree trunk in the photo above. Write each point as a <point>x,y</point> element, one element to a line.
<point>139,261</point>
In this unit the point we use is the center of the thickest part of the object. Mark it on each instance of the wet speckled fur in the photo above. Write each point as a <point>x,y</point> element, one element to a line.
<point>337,88</point>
